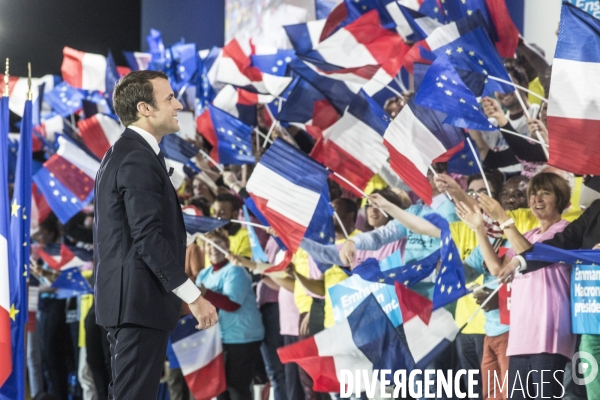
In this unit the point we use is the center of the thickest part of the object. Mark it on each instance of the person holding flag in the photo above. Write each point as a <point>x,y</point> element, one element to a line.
<point>140,240</point>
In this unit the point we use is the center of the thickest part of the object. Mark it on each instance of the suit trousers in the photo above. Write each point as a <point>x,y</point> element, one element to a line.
<point>137,357</point>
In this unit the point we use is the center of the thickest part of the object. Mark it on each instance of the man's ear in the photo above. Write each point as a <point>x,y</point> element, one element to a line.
<point>144,109</point>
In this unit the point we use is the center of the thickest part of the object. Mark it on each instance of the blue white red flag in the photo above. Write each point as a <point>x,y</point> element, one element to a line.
<point>241,103</point>
<point>290,190</point>
<point>5,300</point>
<point>61,256</point>
<point>99,132</point>
<point>235,67</point>
<point>570,98</point>
<point>427,332</point>
<point>366,340</point>
<point>19,251</point>
<point>200,356</point>
<point>84,70</point>
<point>415,138</point>
<point>137,61</point>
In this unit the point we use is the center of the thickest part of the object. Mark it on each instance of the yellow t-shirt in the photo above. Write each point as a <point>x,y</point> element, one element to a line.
<point>239,244</point>
<point>375,183</point>
<point>302,299</point>
<point>84,306</point>
<point>536,87</point>
<point>466,241</point>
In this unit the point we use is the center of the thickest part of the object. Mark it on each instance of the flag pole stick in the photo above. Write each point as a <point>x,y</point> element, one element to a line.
<point>528,115</point>
<point>339,220</point>
<point>523,136</point>
<point>239,221</point>
<point>518,86</point>
<point>359,190</point>
<point>434,172</point>
<point>6,91</point>
<point>487,185</point>
<point>271,129</point>
<point>29,94</point>
<point>481,307</point>
<point>213,244</point>
<point>262,135</point>
<point>209,158</point>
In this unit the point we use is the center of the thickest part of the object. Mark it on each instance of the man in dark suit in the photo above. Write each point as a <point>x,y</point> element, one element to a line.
<point>140,240</point>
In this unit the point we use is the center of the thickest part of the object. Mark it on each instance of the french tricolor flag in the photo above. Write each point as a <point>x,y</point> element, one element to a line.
<point>573,108</point>
<point>364,42</point>
<point>99,132</point>
<point>200,356</point>
<point>414,139</point>
<point>61,257</point>
<point>427,332</point>
<point>241,103</point>
<point>67,179</point>
<point>5,307</point>
<point>305,36</point>
<point>365,341</point>
<point>353,146</point>
<point>288,188</point>
<point>235,68</point>
<point>137,61</point>
<point>84,70</point>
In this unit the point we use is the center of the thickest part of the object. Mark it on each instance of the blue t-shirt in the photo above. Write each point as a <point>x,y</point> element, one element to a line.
<point>243,325</point>
<point>417,246</point>
<point>493,327</point>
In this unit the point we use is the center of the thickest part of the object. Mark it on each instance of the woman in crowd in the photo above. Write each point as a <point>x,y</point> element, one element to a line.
<point>229,289</point>
<point>540,330</point>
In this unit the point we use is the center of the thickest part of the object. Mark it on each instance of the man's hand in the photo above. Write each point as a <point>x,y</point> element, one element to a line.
<point>205,313</point>
<point>347,253</point>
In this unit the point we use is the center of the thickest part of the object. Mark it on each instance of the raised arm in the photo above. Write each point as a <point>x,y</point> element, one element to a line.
<point>409,221</point>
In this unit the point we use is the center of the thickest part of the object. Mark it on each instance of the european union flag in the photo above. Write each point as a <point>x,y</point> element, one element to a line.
<point>474,51</point>
<point>544,252</point>
<point>450,283</point>
<point>463,161</point>
<point>184,59</point>
<point>442,89</point>
<point>205,92</point>
<point>112,76</point>
<point>274,64</point>
<point>457,9</point>
<point>71,283</point>
<point>433,9</point>
<point>390,269</point>
<point>19,250</point>
<point>233,136</point>
<point>64,99</point>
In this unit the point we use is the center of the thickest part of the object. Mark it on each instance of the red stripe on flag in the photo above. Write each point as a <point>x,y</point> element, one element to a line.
<point>93,136</point>
<point>413,304</point>
<point>508,34</point>
<point>570,148</point>
<point>340,161</point>
<point>290,232</point>
<point>449,153</point>
<point>5,346</point>
<point>287,259</point>
<point>246,98</point>
<point>414,56</point>
<point>43,209</point>
<point>71,68</point>
<point>410,174</point>
<point>69,175</point>
<point>242,61</point>
<point>321,369</point>
<point>206,129</point>
<point>208,381</point>
<point>324,114</point>
<point>335,17</point>
<point>122,71</point>
<point>366,72</point>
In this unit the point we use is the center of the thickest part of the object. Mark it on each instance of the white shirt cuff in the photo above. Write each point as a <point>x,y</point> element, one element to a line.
<point>522,263</point>
<point>188,292</point>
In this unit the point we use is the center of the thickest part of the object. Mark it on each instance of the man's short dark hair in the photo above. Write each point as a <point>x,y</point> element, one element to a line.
<point>130,90</point>
<point>228,198</point>
<point>493,180</point>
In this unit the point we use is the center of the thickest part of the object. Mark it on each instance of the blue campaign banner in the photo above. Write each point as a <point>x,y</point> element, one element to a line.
<point>585,299</point>
<point>591,7</point>
<point>348,294</point>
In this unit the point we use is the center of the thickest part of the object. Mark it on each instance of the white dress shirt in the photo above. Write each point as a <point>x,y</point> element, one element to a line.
<point>187,292</point>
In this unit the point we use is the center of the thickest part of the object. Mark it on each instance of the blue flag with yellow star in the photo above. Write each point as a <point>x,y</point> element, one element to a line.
<point>234,138</point>
<point>442,89</point>
<point>463,161</point>
<point>20,213</point>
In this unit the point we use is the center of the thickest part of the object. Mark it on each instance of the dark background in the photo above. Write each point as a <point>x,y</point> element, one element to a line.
<point>37,30</point>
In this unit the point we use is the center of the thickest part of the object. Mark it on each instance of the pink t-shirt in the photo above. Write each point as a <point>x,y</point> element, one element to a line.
<point>540,315</point>
<point>289,317</point>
